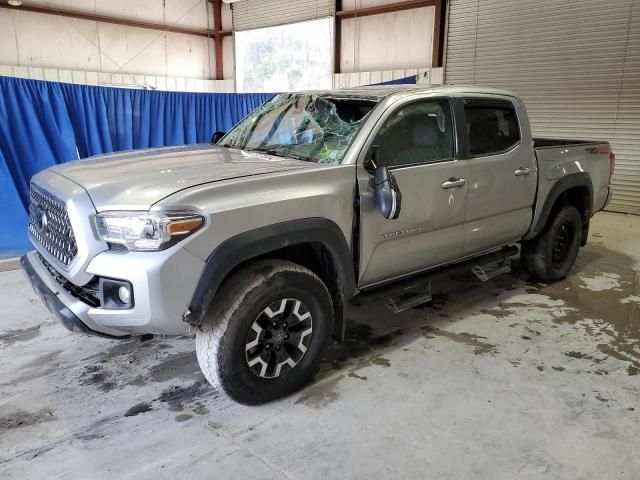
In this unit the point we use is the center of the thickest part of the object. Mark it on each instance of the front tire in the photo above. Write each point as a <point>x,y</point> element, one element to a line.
<point>550,256</point>
<point>266,333</point>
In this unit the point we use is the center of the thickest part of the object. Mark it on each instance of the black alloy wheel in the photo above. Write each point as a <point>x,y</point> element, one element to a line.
<point>561,244</point>
<point>278,338</point>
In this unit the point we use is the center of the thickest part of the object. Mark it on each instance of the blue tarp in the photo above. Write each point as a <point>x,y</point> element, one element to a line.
<point>412,80</point>
<point>45,123</point>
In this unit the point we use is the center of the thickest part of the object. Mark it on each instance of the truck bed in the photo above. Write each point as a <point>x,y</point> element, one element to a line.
<point>560,158</point>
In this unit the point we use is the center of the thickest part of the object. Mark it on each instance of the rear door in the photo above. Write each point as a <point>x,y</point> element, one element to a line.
<point>417,141</point>
<point>502,174</point>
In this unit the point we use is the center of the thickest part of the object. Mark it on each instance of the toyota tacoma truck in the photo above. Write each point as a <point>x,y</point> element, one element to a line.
<point>258,241</point>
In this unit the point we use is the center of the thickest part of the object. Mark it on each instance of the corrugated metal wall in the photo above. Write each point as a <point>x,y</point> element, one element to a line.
<point>576,64</point>
<point>626,141</point>
<point>250,14</point>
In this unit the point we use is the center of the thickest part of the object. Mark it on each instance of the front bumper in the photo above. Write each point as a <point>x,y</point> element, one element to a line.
<point>163,284</point>
<point>62,305</point>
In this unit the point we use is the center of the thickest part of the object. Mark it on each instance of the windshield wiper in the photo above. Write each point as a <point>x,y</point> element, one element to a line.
<point>278,153</point>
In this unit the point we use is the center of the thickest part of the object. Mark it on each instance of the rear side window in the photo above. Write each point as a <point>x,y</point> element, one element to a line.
<point>492,126</point>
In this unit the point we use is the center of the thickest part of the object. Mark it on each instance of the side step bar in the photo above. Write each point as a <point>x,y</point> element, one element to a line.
<point>415,291</point>
<point>410,299</point>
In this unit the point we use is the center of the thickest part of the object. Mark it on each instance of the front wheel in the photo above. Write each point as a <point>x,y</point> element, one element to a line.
<point>265,335</point>
<point>550,256</point>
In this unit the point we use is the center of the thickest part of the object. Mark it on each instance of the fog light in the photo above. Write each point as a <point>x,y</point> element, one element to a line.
<point>115,294</point>
<point>124,294</point>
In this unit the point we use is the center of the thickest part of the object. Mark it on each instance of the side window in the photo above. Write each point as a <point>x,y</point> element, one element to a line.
<point>421,132</point>
<point>492,126</point>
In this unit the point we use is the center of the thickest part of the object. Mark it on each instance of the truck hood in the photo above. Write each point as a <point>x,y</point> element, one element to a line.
<point>138,179</point>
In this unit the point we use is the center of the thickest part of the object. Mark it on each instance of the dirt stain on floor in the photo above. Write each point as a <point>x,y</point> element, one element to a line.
<point>178,365</point>
<point>360,342</point>
<point>321,394</point>
<point>480,346</point>
<point>355,375</point>
<point>22,419</point>
<point>97,376</point>
<point>361,348</point>
<point>20,335</point>
<point>177,398</point>
<point>132,348</point>
<point>38,368</point>
<point>381,361</point>
<point>135,363</point>
<point>138,409</point>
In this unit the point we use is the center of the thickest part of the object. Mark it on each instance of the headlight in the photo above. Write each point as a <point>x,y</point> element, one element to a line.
<point>146,230</point>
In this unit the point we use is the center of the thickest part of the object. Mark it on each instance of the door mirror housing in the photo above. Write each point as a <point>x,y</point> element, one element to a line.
<point>371,160</point>
<point>215,138</point>
<point>387,195</point>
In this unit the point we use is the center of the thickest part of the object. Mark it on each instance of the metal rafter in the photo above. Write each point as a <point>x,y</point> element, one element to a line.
<point>113,20</point>
<point>388,8</point>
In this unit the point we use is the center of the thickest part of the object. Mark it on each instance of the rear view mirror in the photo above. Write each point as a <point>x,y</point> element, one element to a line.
<point>387,195</point>
<point>215,138</point>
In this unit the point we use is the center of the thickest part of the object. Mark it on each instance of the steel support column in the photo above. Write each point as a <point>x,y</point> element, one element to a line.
<point>337,38</point>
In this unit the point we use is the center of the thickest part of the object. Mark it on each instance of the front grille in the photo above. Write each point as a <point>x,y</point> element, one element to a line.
<point>49,225</point>
<point>89,293</point>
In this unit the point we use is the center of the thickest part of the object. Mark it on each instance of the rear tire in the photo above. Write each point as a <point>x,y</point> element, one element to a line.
<point>550,256</point>
<point>266,333</point>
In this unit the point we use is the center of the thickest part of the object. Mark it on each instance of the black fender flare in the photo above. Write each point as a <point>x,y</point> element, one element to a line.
<point>259,242</point>
<point>579,179</point>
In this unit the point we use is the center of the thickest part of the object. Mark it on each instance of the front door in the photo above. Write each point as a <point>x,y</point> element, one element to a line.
<point>416,140</point>
<point>502,173</point>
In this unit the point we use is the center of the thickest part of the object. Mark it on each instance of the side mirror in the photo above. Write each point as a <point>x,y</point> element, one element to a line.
<point>387,195</point>
<point>371,160</point>
<point>215,138</point>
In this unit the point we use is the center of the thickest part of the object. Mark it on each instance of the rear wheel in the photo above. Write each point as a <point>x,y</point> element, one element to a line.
<point>550,256</point>
<point>266,335</point>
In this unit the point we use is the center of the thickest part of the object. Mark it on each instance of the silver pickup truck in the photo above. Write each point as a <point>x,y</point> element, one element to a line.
<point>258,241</point>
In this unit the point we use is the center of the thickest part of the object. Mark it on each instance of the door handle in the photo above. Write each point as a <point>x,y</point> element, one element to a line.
<point>454,182</point>
<point>522,171</point>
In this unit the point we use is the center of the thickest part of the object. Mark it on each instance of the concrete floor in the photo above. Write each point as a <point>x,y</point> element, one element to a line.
<point>502,380</point>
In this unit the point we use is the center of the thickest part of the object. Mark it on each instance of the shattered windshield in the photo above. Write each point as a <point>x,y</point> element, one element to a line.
<point>303,126</point>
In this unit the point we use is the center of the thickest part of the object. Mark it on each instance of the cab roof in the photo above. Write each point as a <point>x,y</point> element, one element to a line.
<point>377,92</point>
